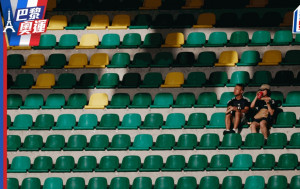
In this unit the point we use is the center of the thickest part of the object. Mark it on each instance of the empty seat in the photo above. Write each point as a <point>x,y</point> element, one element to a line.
<point>285,120</point>
<point>109,41</point>
<point>98,143</point>
<point>209,182</point>
<point>97,182</point>
<point>195,39</point>
<point>196,162</point>
<point>206,59</point>
<point>193,4</point>
<point>228,58</point>
<point>217,121</point>
<point>196,121</point>
<point>186,142</point>
<point>15,61</point>
<point>87,81</point>
<point>108,80</point>
<point>219,162</point>
<point>225,98</point>
<point>87,122</point>
<point>255,182</point>
<point>109,121</point>
<point>173,80</point>
<point>56,61</point>
<point>195,79</point>
<point>41,164</point>
<point>64,164</point>
<point>241,162</point>
<point>98,60</point>
<point>88,41</point>
<point>23,81</point>
<point>57,22</point>
<point>22,122</point>
<point>20,164</point>
<point>131,121</point>
<point>164,142</point>
<point>32,143</point>
<point>174,40</point>
<point>54,101</point>
<point>282,37</point>
<point>260,77</point>
<point>287,19</point>
<point>184,20</point>
<point>276,141</point>
<point>150,4</point>
<point>31,182</point>
<point>65,81</point>
<point>152,40</point>
<point>13,142</point>
<point>47,41</point>
<point>260,38</point>
<point>65,122</point>
<point>130,164</point>
<point>120,142</point>
<point>239,77</point>
<point>142,183</point>
<point>162,59</point>
<point>33,101</point>
<point>271,19</point>
<point>142,142</point>
<point>238,38</point>
<point>76,101</point>
<point>291,58</point>
<point>119,182</point>
<point>287,162</point>
<point>228,19</point>
<point>53,182</point>
<point>174,163</point>
<point>283,78</point>
<point>141,100</point>
<point>174,121</point>
<point>231,141</point>
<point>119,60</point>
<point>44,81</point>
<point>184,59</point>
<point>75,182</point>
<point>78,22</point>
<point>34,61</point>
<point>119,100</point>
<point>152,163</point>
<point>206,99</point>
<point>99,22</point>
<point>253,141</point>
<point>141,60</point>
<point>130,80</point>
<point>77,61</point>
<point>131,40</point>
<point>141,21</point>
<point>249,58</point>
<point>277,181</point>
<point>108,164</point>
<point>54,143</point>
<point>292,99</point>
<point>162,21</point>
<point>121,21</point>
<point>205,20</point>
<point>162,100</point>
<point>152,80</point>
<point>232,182</point>
<point>97,101</point>
<point>43,122</point>
<point>76,143</point>
<point>86,164</point>
<point>295,182</point>
<point>187,182</point>
<point>294,142</point>
<point>217,39</point>
<point>184,100</point>
<point>67,41</point>
<point>8,120</point>
<point>152,121</point>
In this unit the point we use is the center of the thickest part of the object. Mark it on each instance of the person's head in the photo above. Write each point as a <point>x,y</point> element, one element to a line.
<point>265,88</point>
<point>238,89</point>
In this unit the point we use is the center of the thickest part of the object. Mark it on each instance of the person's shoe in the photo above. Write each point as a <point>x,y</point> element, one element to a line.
<point>232,131</point>
<point>227,132</point>
<point>266,140</point>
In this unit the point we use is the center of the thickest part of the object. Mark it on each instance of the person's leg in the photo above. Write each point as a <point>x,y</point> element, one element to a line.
<point>237,120</point>
<point>263,128</point>
<point>228,120</point>
<point>254,125</point>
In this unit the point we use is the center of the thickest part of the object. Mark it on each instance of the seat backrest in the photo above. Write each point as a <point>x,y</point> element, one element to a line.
<point>261,37</point>
<point>78,59</point>
<point>121,20</point>
<point>206,19</point>
<point>272,56</point>
<point>110,39</point>
<point>175,39</point>
<point>45,80</point>
<point>89,40</point>
<point>228,57</point>
<point>132,39</point>
<point>36,60</point>
<point>100,20</point>
<point>163,99</point>
<point>174,78</point>
<point>68,40</point>
<point>98,99</point>
<point>197,38</point>
<point>217,38</point>
<point>99,59</point>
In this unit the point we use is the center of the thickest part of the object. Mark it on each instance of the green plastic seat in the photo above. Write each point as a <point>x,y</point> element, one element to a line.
<point>241,162</point>
<point>217,79</point>
<point>186,142</point>
<point>13,142</point>
<point>162,100</point>
<point>120,142</point>
<point>56,61</point>
<point>78,22</point>
<point>75,183</point>
<point>98,143</point>
<point>10,81</point>
<point>109,41</point>
<point>54,101</point>
<point>97,182</point>
<point>108,80</point>
<point>239,77</point>
<point>209,141</point>
<point>260,38</point>
<point>109,121</point>
<point>142,142</point>
<point>12,183</point>
<point>41,164</point>
<point>186,183</point>
<point>297,40</point>
<point>87,81</point>
<point>65,81</point>
<point>254,181</point>
<point>195,39</point>
<point>231,141</point>
<point>53,183</point>
<point>206,59</point>
<point>15,61</point>
<point>264,162</point>
<point>282,37</point>
<point>225,98</point>
<point>76,101</point>
<point>141,60</point>
<point>295,182</point>
<point>32,143</point>
<point>131,40</point>
<point>141,21</point>
<point>141,100</point>
<point>232,182</point>
<point>87,122</point>
<point>276,141</point>
<point>43,122</point>
<point>195,79</point>
<point>253,141</point>
<point>76,143</point>
<point>152,80</point>
<point>64,164</point>
<point>8,121</point>
<point>277,182</point>
<point>249,58</point>
<point>174,121</point>
<point>162,21</point>
<point>54,143</point>
<point>249,95</point>
<point>216,39</point>
<point>291,58</point>
<point>184,20</point>
<point>164,183</point>
<point>287,162</point>
<point>108,164</point>
<point>119,60</point>
<point>131,121</point>
<point>206,100</point>
<point>260,77</point>
<point>184,100</point>
<point>23,81</point>
<point>130,80</point>
<point>209,182</point>
<point>31,182</point>
<point>162,59</point>
<point>283,78</point>
<point>152,163</point>
<point>86,164</point>
<point>197,162</point>
<point>152,40</point>
<point>217,121</point>
<point>277,96</point>
<point>65,122</point>
<point>22,122</point>
<point>219,162</point>
<point>196,121</point>
<point>33,101</point>
<point>142,183</point>
<point>119,183</point>
<point>184,59</point>
<point>47,41</point>
<point>174,163</point>
<point>292,100</point>
<point>164,142</point>
<point>285,120</point>
<point>297,80</point>
<point>14,101</point>
<point>294,141</point>
<point>238,39</point>
<point>67,41</point>
<point>130,164</point>
<point>119,101</point>
<point>20,164</point>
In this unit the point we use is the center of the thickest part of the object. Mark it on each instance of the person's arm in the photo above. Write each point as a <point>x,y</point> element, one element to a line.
<point>252,105</point>
<point>245,110</point>
<point>270,109</point>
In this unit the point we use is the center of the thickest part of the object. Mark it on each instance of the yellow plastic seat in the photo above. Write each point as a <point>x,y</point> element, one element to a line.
<point>51,5</point>
<point>97,101</point>
<point>150,4</point>
<point>287,19</point>
<point>257,3</point>
<point>20,47</point>
<point>88,41</point>
<point>44,81</point>
<point>271,58</point>
<point>121,21</point>
<point>193,4</point>
<point>34,61</point>
<point>206,20</point>
<point>228,58</point>
<point>98,60</point>
<point>99,22</point>
<point>57,22</point>
<point>173,79</point>
<point>77,61</point>
<point>174,40</point>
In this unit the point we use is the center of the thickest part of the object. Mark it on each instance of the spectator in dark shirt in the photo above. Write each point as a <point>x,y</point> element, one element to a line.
<point>236,110</point>
<point>265,107</point>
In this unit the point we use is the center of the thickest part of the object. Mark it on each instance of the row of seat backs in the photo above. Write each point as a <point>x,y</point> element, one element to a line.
<point>208,141</point>
<point>161,59</point>
<point>186,182</point>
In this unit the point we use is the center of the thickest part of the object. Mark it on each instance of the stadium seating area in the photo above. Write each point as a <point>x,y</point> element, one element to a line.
<point>137,92</point>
